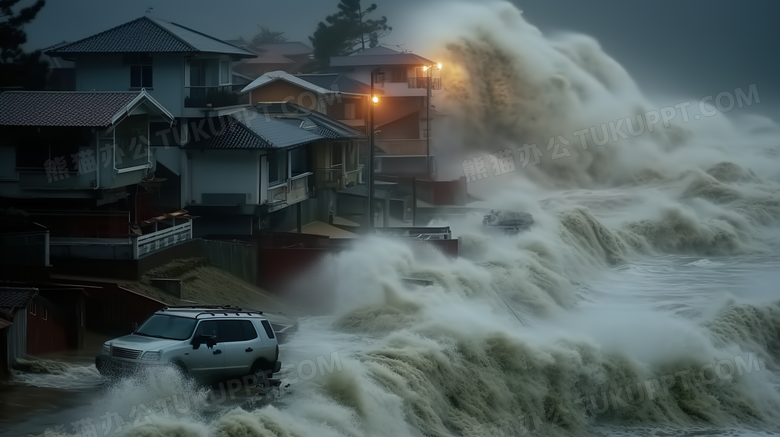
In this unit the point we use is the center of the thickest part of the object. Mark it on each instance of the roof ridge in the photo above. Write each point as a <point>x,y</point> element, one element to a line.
<point>201,34</point>
<point>154,21</point>
<point>94,36</point>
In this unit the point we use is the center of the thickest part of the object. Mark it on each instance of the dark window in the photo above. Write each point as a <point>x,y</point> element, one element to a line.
<point>208,328</point>
<point>249,330</point>
<point>45,314</point>
<point>336,154</point>
<point>268,330</point>
<point>33,309</point>
<point>140,70</point>
<point>32,153</point>
<point>398,74</point>
<point>230,330</point>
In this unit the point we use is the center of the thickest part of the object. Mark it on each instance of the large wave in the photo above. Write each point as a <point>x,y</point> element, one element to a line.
<point>498,343</point>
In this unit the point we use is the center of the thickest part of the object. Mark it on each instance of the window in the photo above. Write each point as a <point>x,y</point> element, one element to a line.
<point>398,74</point>
<point>224,73</point>
<point>349,111</point>
<point>34,152</point>
<point>33,309</point>
<point>169,327</point>
<point>45,314</point>
<point>336,151</point>
<point>140,70</point>
<point>249,330</point>
<point>208,328</point>
<point>230,330</point>
<point>277,168</point>
<point>268,330</point>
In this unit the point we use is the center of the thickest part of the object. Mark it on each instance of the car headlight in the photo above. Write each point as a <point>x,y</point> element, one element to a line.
<point>106,349</point>
<point>151,356</point>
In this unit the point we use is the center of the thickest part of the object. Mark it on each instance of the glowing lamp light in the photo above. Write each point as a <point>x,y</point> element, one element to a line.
<point>375,99</point>
<point>439,65</point>
<point>425,68</point>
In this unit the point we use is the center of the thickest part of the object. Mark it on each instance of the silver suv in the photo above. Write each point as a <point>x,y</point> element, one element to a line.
<point>209,343</point>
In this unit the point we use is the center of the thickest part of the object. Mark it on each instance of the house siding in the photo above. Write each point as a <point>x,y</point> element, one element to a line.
<point>224,172</point>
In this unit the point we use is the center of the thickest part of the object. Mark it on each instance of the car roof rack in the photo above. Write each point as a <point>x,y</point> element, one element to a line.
<point>215,308</point>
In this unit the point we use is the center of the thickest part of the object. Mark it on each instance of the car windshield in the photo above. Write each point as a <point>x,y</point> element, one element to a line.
<point>171,327</point>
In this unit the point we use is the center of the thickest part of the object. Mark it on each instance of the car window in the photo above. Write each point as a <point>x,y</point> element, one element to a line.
<point>164,326</point>
<point>209,328</point>
<point>268,330</point>
<point>230,330</point>
<point>249,330</point>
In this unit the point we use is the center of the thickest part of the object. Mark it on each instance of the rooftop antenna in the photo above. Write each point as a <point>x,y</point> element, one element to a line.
<point>149,10</point>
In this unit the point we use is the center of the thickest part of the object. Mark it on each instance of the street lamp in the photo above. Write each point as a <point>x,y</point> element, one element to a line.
<point>429,78</point>
<point>374,101</point>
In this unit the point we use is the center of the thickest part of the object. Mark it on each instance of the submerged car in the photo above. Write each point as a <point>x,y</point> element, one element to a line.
<point>509,222</point>
<point>209,343</point>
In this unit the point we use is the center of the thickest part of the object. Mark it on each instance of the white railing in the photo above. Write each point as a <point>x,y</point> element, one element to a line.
<point>298,188</point>
<point>161,239</point>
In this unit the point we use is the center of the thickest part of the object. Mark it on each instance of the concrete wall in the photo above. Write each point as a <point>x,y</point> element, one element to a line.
<point>224,172</point>
<point>108,72</point>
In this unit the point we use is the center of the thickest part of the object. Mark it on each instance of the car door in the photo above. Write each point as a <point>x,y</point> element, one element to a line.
<point>204,362</point>
<point>241,346</point>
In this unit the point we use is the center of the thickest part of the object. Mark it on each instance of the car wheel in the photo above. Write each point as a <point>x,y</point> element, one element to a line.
<point>178,365</point>
<point>259,370</point>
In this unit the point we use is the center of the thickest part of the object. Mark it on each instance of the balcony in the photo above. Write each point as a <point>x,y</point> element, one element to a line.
<point>334,177</point>
<point>155,241</point>
<point>295,190</point>
<point>214,96</point>
<point>422,82</point>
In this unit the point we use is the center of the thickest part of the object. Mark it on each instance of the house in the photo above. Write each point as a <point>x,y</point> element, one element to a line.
<point>402,116</point>
<point>78,164</point>
<point>270,167</point>
<point>94,165</point>
<point>335,95</point>
<point>285,56</point>
<point>187,71</point>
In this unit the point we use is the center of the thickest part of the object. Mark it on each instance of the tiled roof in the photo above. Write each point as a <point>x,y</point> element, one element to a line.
<point>385,59</point>
<point>340,83</point>
<point>317,83</point>
<point>66,108</point>
<point>149,35</point>
<point>251,130</point>
<point>254,128</point>
<point>20,108</point>
<point>16,297</point>
<point>326,126</point>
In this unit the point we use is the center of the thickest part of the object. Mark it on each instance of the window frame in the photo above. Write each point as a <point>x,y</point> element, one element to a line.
<point>269,331</point>
<point>144,65</point>
<point>229,79</point>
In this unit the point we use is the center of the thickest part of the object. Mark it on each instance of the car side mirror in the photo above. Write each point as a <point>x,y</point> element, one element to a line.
<point>209,340</point>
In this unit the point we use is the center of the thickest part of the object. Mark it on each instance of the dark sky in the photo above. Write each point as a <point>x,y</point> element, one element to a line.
<point>691,48</point>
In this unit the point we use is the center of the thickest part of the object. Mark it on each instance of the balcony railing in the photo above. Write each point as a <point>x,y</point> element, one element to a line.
<point>293,191</point>
<point>422,82</point>
<point>298,188</point>
<point>161,239</point>
<point>214,96</point>
<point>335,177</point>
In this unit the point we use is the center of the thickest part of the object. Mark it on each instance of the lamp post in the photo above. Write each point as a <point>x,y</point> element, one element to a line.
<point>428,79</point>
<point>373,100</point>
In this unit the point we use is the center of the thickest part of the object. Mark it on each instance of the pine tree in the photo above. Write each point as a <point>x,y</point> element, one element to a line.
<point>17,68</point>
<point>346,32</point>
